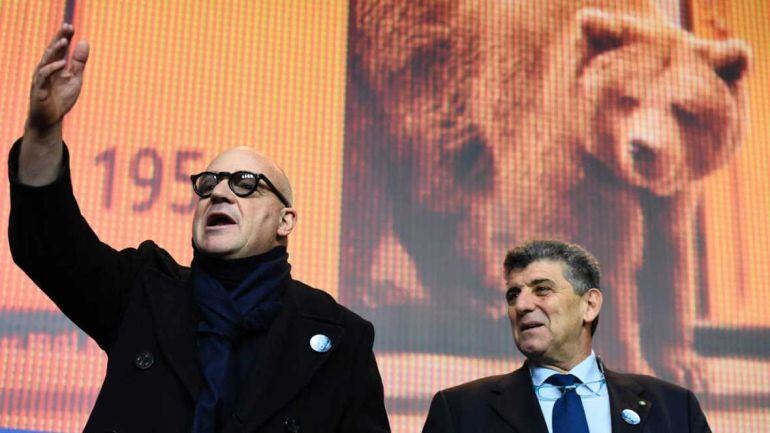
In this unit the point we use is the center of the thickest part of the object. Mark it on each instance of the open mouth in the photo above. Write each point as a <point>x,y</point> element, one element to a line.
<point>219,220</point>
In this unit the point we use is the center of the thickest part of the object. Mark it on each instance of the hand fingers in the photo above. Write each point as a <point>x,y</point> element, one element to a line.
<point>79,58</point>
<point>46,71</point>
<point>57,50</point>
<point>65,31</point>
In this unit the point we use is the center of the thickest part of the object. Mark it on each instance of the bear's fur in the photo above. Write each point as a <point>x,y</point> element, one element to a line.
<point>475,125</point>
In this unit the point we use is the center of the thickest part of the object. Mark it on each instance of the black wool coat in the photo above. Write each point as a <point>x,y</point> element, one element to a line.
<point>137,305</point>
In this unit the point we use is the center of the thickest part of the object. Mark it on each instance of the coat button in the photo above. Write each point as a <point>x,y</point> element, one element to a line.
<point>144,360</point>
<point>291,425</point>
<point>237,419</point>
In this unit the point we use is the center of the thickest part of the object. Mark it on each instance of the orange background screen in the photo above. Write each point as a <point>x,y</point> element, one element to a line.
<point>171,84</point>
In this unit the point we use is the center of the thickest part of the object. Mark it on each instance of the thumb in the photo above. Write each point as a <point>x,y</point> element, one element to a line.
<point>79,58</point>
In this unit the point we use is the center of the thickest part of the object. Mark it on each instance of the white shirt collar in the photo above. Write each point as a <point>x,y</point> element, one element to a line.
<point>587,371</point>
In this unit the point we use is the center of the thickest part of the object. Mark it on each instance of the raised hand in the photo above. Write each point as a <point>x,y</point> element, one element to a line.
<point>55,88</point>
<point>56,82</point>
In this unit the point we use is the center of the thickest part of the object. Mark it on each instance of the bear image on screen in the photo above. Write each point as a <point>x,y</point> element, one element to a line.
<point>473,125</point>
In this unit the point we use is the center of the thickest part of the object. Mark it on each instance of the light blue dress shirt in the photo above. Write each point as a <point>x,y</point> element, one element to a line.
<point>597,408</point>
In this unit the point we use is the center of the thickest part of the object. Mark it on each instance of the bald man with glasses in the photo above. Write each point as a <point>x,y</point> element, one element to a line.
<point>231,343</point>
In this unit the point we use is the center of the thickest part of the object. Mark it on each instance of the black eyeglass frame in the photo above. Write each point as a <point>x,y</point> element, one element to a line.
<point>220,175</point>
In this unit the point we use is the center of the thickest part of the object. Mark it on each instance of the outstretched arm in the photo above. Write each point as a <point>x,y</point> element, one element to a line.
<point>49,238</point>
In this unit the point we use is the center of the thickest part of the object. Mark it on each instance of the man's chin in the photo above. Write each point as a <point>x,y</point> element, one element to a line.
<point>217,249</point>
<point>531,350</point>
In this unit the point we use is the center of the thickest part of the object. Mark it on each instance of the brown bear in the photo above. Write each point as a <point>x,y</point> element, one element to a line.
<point>474,125</point>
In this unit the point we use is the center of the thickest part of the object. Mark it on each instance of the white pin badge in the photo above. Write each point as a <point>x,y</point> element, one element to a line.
<point>631,417</point>
<point>320,343</point>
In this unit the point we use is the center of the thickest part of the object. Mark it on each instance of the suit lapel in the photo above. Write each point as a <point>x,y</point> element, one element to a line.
<point>173,313</point>
<point>626,393</point>
<point>514,400</point>
<point>287,362</point>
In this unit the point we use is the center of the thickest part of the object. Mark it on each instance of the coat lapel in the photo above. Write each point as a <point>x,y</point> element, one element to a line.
<point>287,363</point>
<point>174,315</point>
<point>514,400</point>
<point>626,393</point>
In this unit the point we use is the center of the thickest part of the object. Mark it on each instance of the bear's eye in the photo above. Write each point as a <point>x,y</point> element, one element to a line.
<point>426,63</point>
<point>685,116</point>
<point>628,103</point>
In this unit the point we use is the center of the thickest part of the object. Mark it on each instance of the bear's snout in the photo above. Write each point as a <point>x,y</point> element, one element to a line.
<point>647,159</point>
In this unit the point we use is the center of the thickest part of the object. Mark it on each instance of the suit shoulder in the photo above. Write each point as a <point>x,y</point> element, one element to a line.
<point>473,389</point>
<point>653,384</point>
<point>150,255</point>
<point>321,305</point>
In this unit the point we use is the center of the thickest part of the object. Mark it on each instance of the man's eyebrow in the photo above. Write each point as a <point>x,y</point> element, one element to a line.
<point>540,281</point>
<point>531,283</point>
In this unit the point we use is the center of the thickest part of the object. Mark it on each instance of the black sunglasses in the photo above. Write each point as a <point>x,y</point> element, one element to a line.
<point>241,183</point>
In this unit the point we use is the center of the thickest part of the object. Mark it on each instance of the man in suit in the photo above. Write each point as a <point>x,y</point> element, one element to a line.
<point>231,344</point>
<point>554,301</point>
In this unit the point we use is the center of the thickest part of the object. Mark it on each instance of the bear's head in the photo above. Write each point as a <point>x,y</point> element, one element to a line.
<point>659,107</point>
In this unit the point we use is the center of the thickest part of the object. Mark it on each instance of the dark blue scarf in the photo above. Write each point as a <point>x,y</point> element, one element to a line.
<point>230,312</point>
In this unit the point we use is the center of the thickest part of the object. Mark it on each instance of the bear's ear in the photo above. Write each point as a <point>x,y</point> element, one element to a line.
<point>389,36</point>
<point>730,58</point>
<point>603,31</point>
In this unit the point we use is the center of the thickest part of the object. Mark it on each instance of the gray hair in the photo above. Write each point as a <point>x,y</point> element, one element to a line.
<point>581,267</point>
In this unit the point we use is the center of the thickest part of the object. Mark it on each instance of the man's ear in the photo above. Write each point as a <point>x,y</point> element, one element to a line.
<point>602,31</point>
<point>593,301</point>
<point>288,221</point>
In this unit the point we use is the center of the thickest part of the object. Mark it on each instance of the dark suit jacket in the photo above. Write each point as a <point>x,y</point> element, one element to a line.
<point>137,305</point>
<point>508,404</point>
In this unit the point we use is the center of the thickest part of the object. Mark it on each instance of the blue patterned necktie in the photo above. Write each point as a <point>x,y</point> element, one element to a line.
<point>568,413</point>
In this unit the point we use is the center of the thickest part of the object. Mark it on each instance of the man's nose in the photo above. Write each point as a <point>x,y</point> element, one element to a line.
<point>222,192</point>
<point>525,303</point>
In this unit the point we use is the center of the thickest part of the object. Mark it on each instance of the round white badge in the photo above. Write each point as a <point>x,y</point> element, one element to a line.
<point>631,417</point>
<point>320,343</point>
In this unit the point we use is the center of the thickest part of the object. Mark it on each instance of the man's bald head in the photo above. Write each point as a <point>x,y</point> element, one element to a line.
<point>270,168</point>
<point>230,226</point>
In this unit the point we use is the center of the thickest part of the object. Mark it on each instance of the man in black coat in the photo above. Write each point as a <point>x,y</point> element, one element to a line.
<point>231,344</point>
<point>553,305</point>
